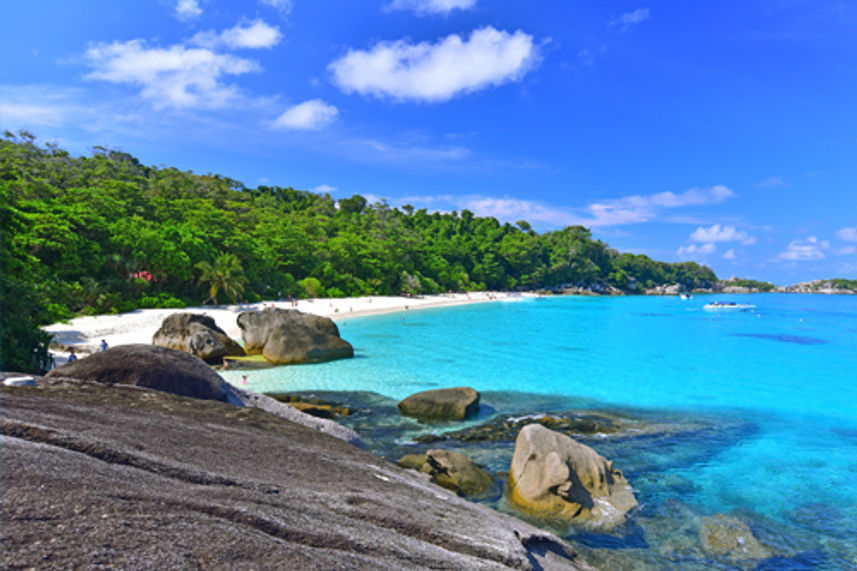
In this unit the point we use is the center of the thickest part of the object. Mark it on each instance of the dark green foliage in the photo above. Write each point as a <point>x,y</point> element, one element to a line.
<point>104,234</point>
<point>753,284</point>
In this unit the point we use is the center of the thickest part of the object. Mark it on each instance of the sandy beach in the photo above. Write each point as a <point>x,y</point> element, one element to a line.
<point>85,333</point>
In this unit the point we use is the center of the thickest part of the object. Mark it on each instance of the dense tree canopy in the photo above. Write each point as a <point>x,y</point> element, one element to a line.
<point>100,234</point>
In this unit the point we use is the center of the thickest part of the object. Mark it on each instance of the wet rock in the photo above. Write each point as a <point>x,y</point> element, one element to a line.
<point>729,536</point>
<point>507,429</point>
<point>197,334</point>
<point>553,476</point>
<point>288,336</point>
<point>313,406</point>
<point>452,470</point>
<point>442,404</point>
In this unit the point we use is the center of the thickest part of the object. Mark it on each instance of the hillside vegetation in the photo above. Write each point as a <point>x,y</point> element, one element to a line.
<point>101,234</point>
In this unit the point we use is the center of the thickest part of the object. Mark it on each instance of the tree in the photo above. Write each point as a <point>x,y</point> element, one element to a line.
<point>226,273</point>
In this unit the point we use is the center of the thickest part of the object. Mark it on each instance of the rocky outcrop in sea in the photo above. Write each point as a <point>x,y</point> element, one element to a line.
<point>197,334</point>
<point>109,475</point>
<point>289,336</point>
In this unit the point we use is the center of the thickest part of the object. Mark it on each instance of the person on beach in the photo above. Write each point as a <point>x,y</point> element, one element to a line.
<point>243,379</point>
<point>103,346</point>
<point>225,364</point>
<point>71,356</point>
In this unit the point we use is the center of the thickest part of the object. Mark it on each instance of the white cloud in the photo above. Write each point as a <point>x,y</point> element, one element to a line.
<point>284,6</point>
<point>312,115</point>
<point>437,72</point>
<point>324,188</point>
<point>716,233</point>
<point>188,10</point>
<point>23,114</point>
<point>251,35</point>
<point>772,181</point>
<point>693,250</point>
<point>630,19</point>
<point>422,7</point>
<point>729,254</point>
<point>847,234</point>
<point>846,251</point>
<point>642,208</point>
<point>801,250</point>
<point>171,77</point>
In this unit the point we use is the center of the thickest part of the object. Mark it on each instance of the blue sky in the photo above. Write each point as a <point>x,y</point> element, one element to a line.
<point>719,132</point>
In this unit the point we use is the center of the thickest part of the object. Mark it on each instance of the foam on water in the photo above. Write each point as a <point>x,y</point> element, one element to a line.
<point>785,373</point>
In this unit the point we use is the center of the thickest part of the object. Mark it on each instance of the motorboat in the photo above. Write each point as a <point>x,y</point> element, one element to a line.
<point>685,296</point>
<point>727,306</point>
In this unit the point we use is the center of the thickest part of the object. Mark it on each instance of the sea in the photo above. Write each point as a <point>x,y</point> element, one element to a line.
<point>761,405</point>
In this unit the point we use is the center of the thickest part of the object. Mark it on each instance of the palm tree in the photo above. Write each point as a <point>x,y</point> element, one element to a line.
<point>224,274</point>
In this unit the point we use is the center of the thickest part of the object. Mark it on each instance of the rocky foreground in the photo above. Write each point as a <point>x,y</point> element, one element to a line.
<point>96,475</point>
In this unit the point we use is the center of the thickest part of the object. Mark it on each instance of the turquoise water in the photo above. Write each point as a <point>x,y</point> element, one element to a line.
<point>781,380</point>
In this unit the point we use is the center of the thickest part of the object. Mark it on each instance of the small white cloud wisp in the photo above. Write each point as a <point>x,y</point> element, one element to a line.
<point>311,115</point>
<point>423,7</point>
<point>187,10</point>
<point>247,35</point>
<point>802,250</point>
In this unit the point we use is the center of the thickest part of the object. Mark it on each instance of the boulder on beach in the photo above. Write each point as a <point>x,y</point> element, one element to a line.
<point>442,404</point>
<point>148,366</point>
<point>452,470</point>
<point>289,336</point>
<point>197,334</point>
<point>555,477</point>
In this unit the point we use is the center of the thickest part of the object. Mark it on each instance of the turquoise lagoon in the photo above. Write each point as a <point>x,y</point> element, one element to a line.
<point>775,389</point>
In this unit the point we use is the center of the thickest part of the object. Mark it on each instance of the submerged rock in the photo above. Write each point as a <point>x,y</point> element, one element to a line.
<point>452,470</point>
<point>197,334</point>
<point>313,406</point>
<point>553,476</point>
<point>507,429</point>
<point>442,404</point>
<point>729,536</point>
<point>288,336</point>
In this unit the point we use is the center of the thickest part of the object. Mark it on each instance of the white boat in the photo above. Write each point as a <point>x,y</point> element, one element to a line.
<point>685,296</point>
<point>727,306</point>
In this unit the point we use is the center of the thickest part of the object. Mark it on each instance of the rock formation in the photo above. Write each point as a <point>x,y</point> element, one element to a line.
<point>180,373</point>
<point>197,334</point>
<point>288,336</point>
<point>114,476</point>
<point>442,404</point>
<point>452,470</point>
<point>148,366</point>
<point>553,476</point>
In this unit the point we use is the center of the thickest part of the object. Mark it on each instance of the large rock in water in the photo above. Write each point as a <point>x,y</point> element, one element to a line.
<point>149,366</point>
<point>288,336</point>
<point>442,404</point>
<point>553,476</point>
<point>197,334</point>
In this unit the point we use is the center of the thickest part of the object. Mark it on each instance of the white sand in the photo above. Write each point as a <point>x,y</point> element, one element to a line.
<point>85,333</point>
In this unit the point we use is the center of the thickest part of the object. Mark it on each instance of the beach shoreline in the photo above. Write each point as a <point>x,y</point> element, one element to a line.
<point>85,334</point>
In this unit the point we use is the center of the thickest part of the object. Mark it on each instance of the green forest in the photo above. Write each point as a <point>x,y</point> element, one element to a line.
<point>106,234</point>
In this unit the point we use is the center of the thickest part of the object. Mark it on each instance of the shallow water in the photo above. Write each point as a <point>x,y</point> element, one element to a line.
<point>776,387</point>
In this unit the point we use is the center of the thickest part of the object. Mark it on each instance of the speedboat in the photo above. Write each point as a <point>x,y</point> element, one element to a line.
<point>685,296</point>
<point>727,306</point>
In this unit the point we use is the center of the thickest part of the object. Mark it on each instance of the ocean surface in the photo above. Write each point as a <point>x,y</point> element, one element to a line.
<point>764,405</point>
